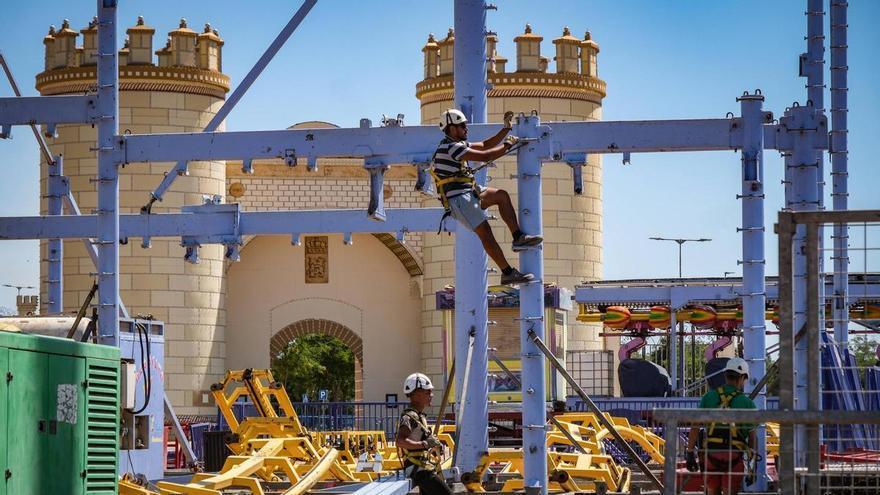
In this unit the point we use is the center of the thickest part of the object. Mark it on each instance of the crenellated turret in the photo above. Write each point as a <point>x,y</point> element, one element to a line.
<point>49,43</point>
<point>447,51</point>
<point>495,64</point>
<point>65,47</point>
<point>182,95</point>
<point>209,45</point>
<point>140,43</point>
<point>431,52</point>
<point>528,52</point>
<point>567,48</point>
<point>589,53</point>
<point>183,46</point>
<point>572,215</point>
<point>164,54</point>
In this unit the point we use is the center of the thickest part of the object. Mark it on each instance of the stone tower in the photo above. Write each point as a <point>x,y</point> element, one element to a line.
<point>572,223</point>
<point>180,92</point>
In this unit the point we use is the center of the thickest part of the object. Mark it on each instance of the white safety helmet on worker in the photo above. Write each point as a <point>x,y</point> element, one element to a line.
<point>738,365</point>
<point>417,381</point>
<point>452,116</point>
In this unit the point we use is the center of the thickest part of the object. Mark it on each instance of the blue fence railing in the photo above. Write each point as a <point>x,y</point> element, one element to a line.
<point>327,416</point>
<point>383,416</point>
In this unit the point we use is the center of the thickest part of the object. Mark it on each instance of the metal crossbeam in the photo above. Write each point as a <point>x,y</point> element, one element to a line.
<point>222,226</point>
<point>407,145</point>
<point>25,110</point>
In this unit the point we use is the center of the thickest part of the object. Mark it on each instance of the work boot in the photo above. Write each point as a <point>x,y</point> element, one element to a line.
<point>516,277</point>
<point>526,241</point>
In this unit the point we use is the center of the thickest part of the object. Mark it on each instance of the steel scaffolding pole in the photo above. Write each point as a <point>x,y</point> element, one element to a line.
<point>753,287</point>
<point>815,72</point>
<point>803,124</point>
<point>108,175</point>
<point>471,283</point>
<point>839,173</point>
<point>531,312</point>
<point>56,190</point>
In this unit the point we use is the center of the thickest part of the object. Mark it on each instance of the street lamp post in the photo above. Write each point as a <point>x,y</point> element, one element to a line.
<point>676,334</point>
<point>680,242</point>
<point>19,287</point>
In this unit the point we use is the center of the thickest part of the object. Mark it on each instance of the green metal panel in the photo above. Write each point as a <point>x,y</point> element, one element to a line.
<point>57,345</point>
<point>26,445</point>
<point>4,400</point>
<point>59,416</point>
<point>66,418</point>
<point>102,426</point>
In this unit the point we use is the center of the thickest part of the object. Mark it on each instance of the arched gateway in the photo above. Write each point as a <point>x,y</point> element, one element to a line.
<point>324,327</point>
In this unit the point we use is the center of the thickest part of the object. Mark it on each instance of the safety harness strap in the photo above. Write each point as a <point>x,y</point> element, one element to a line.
<point>730,438</point>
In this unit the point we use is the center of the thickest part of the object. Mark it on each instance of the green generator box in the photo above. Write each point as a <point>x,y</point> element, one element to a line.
<point>59,416</point>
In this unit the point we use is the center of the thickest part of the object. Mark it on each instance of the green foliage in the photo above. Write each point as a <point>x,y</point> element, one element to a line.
<point>864,348</point>
<point>314,362</point>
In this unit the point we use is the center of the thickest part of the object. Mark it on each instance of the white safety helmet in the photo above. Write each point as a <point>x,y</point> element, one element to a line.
<point>738,365</point>
<point>452,116</point>
<point>417,381</point>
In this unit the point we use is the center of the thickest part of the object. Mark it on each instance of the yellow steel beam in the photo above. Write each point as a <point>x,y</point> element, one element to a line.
<point>316,474</point>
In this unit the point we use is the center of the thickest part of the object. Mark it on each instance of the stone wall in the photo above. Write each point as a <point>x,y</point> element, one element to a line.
<point>189,298</point>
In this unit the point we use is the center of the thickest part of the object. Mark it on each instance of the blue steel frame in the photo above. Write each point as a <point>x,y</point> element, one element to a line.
<point>802,135</point>
<point>471,262</point>
<point>839,157</point>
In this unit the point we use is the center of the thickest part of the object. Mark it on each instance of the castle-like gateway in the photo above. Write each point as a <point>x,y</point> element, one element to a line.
<point>374,292</point>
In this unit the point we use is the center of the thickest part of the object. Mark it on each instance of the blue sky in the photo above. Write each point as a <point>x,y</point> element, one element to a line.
<point>661,60</point>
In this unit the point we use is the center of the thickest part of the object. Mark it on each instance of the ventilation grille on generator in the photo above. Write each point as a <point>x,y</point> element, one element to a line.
<point>102,423</point>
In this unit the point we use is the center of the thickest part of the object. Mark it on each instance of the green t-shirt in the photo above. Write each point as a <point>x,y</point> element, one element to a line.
<point>712,400</point>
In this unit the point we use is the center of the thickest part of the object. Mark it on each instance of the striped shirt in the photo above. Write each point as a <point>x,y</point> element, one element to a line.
<point>448,163</point>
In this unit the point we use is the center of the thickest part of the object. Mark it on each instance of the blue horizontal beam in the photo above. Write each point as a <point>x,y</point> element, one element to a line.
<point>383,145</point>
<point>642,136</point>
<point>25,110</point>
<point>223,226</point>
<point>405,145</point>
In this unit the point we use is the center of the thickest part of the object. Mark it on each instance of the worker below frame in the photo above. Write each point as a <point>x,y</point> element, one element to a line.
<point>420,450</point>
<point>466,201</point>
<point>725,446</point>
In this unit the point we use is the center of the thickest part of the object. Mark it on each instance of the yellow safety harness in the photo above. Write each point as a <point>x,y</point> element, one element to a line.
<point>721,437</point>
<point>419,458</point>
<point>462,177</point>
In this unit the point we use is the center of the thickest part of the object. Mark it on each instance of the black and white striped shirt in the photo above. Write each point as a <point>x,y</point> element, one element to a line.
<point>448,163</point>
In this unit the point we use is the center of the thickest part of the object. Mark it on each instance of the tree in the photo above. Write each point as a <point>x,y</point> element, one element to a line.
<point>864,348</point>
<point>314,362</point>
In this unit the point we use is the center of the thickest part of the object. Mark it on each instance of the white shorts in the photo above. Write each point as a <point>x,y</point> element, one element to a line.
<point>466,209</point>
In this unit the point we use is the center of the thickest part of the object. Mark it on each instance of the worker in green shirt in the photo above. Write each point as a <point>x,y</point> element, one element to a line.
<point>725,444</point>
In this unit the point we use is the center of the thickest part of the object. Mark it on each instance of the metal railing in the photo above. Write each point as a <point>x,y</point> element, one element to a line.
<point>592,369</point>
<point>335,416</point>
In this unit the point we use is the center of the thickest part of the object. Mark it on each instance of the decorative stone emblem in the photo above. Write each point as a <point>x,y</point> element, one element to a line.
<point>317,260</point>
<point>237,189</point>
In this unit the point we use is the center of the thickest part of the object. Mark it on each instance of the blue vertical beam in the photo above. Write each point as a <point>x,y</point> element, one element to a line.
<point>471,284</point>
<point>239,91</point>
<point>839,172</point>
<point>55,192</point>
<point>108,175</point>
<point>804,173</point>
<point>815,72</point>
<point>531,312</point>
<point>753,289</point>
<point>673,348</point>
